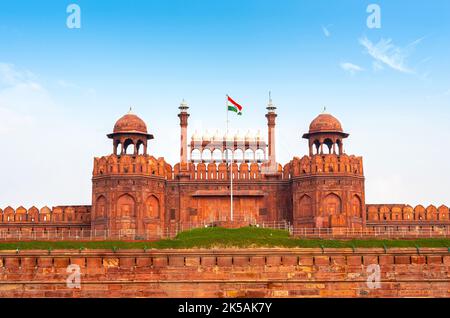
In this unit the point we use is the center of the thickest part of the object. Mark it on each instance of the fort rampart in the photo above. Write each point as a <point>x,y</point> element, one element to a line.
<point>403,272</point>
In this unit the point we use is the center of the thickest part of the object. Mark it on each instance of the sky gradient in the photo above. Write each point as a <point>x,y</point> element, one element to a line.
<point>61,89</point>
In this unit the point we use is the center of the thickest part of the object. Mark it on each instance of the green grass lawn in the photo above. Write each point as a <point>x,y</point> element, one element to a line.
<point>221,237</point>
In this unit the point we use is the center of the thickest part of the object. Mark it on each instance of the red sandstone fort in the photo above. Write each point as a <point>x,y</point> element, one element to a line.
<point>136,194</point>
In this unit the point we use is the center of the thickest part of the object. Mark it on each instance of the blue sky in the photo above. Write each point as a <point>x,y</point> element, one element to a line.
<point>62,89</point>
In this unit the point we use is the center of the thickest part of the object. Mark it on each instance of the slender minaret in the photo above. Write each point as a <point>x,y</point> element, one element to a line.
<point>183,115</point>
<point>271,115</point>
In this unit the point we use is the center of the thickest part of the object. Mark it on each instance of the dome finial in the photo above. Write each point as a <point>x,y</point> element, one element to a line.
<point>324,109</point>
<point>130,111</point>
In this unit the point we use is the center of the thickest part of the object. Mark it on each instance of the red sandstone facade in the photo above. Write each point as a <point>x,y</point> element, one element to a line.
<point>293,272</point>
<point>136,193</point>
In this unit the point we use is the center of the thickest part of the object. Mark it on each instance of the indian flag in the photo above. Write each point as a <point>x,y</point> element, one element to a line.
<point>233,106</point>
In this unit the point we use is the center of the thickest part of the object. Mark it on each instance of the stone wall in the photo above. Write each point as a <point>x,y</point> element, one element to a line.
<point>227,273</point>
<point>59,218</point>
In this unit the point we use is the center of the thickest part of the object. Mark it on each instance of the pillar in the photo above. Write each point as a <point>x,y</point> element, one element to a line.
<point>271,116</point>
<point>183,115</point>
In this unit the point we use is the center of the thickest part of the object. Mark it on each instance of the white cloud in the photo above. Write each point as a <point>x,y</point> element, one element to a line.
<point>377,66</point>
<point>385,52</point>
<point>11,76</point>
<point>47,159</point>
<point>351,68</point>
<point>66,84</point>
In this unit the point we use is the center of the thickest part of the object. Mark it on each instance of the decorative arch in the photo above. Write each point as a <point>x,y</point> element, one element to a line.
<point>259,155</point>
<point>206,155</point>
<point>372,213</point>
<point>152,207</point>
<point>126,206</point>
<point>305,207</point>
<point>249,155</point>
<point>385,213</point>
<point>356,206</point>
<point>33,214</point>
<point>217,155</point>
<point>332,204</point>
<point>327,146</point>
<point>129,147</point>
<point>238,155</point>
<point>100,207</point>
<point>196,155</point>
<point>140,147</point>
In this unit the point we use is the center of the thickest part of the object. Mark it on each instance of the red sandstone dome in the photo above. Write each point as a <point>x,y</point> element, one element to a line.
<point>325,123</point>
<point>130,123</point>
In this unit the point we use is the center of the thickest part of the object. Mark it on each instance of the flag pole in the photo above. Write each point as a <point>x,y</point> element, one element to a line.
<point>231,166</point>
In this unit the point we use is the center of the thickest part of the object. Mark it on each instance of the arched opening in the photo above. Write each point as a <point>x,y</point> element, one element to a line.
<point>327,146</point>
<point>259,155</point>
<point>152,207</point>
<point>217,155</point>
<point>332,204</point>
<point>117,147</point>
<point>126,206</point>
<point>305,207</point>
<point>238,155</point>
<point>206,155</point>
<point>228,155</point>
<point>196,155</point>
<point>356,206</point>
<point>140,147</point>
<point>100,207</point>
<point>316,147</point>
<point>339,145</point>
<point>128,147</point>
<point>248,155</point>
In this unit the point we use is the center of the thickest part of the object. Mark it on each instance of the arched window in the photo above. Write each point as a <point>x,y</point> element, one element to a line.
<point>332,204</point>
<point>356,206</point>
<point>126,206</point>
<point>316,147</point>
<point>305,207</point>
<point>259,155</point>
<point>100,207</point>
<point>217,155</point>
<point>249,155</point>
<point>206,155</point>
<point>140,147</point>
<point>129,147</point>
<point>152,207</point>
<point>196,155</point>
<point>327,146</point>
<point>238,155</point>
<point>228,154</point>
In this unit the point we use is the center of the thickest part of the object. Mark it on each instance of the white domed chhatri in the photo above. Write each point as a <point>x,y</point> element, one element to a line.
<point>238,136</point>
<point>196,136</point>
<point>249,137</point>
<point>217,136</point>
<point>206,136</point>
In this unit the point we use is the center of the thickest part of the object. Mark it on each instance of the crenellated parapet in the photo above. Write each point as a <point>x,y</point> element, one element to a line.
<point>406,213</point>
<point>324,164</point>
<point>221,171</point>
<point>58,214</point>
<point>128,164</point>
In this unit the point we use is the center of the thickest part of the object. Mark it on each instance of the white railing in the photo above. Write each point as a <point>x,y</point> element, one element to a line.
<point>348,233</point>
<point>172,230</point>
